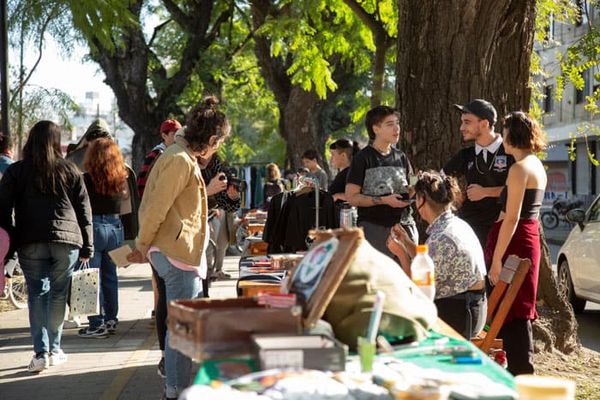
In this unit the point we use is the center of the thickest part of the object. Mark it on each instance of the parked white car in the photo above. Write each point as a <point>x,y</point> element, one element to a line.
<point>579,258</point>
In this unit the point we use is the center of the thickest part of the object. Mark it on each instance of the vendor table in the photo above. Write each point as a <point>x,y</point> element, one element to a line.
<point>420,355</point>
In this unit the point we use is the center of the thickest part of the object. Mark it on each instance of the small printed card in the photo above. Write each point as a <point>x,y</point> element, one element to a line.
<point>119,256</point>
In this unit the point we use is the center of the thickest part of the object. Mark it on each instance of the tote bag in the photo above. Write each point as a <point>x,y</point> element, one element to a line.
<point>85,291</point>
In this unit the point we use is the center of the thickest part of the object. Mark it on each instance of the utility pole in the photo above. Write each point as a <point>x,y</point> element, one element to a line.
<point>4,68</point>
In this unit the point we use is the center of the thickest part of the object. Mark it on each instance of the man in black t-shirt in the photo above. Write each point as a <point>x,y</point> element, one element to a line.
<point>377,183</point>
<point>484,166</point>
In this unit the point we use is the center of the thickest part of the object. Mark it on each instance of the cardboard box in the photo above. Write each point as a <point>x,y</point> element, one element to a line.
<point>304,351</point>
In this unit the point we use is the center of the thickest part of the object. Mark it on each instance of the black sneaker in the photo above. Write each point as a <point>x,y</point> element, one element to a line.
<point>99,332</point>
<point>161,368</point>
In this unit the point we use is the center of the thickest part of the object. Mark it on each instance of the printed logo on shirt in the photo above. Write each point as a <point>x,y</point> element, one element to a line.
<point>500,164</point>
<point>381,181</point>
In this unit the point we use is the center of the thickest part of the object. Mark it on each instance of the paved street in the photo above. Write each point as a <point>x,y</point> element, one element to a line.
<point>122,366</point>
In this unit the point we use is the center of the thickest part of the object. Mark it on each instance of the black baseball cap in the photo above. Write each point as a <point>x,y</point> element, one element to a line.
<point>481,108</point>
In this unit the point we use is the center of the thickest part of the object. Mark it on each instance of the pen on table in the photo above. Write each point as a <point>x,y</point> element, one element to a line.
<point>375,316</point>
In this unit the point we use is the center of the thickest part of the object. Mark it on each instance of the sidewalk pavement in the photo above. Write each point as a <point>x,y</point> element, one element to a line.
<point>122,366</point>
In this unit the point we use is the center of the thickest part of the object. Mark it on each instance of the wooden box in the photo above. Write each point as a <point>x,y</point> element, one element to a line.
<point>216,328</point>
<point>208,329</point>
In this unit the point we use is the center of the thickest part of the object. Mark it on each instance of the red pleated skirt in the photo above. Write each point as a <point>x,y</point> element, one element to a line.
<point>525,243</point>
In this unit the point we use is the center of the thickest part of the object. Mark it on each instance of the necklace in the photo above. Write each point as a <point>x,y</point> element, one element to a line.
<point>382,152</point>
<point>491,164</point>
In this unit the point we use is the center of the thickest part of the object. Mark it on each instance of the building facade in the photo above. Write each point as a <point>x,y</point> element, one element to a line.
<point>566,117</point>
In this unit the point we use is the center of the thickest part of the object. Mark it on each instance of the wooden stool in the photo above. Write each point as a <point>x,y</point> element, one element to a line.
<point>512,276</point>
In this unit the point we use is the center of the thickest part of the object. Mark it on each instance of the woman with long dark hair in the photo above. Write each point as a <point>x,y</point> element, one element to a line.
<point>517,232</point>
<point>173,220</point>
<point>52,228</point>
<point>105,179</point>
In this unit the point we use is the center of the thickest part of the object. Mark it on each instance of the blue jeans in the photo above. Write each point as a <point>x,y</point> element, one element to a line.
<point>108,235</point>
<point>48,268</point>
<point>179,284</point>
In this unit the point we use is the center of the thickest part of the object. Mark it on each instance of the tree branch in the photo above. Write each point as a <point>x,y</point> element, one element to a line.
<point>369,20</point>
<point>214,32</point>
<point>184,20</point>
<point>157,29</point>
<point>51,16</point>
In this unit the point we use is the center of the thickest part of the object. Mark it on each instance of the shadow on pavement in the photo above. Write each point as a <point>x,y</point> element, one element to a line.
<point>589,322</point>
<point>143,383</point>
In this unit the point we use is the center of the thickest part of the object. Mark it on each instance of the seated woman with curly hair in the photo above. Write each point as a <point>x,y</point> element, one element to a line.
<point>456,253</point>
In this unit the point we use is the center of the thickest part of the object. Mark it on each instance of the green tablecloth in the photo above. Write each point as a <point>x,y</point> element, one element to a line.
<point>419,355</point>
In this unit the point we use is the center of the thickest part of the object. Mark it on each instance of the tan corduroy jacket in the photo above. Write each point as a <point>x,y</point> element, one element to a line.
<point>173,212</point>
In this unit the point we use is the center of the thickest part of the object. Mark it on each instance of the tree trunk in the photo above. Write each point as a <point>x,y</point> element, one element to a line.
<point>454,53</point>
<point>381,47</point>
<point>132,65</point>
<point>299,110</point>
<point>300,121</point>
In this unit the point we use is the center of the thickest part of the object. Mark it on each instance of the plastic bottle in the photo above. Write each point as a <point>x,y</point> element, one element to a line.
<point>422,271</point>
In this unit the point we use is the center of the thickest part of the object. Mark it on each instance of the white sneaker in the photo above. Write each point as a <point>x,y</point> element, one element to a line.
<point>38,364</point>
<point>72,323</point>
<point>58,358</point>
<point>111,326</point>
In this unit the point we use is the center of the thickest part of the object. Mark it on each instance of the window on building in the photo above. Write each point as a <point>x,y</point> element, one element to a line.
<point>582,15</point>
<point>585,90</point>
<point>549,99</point>
<point>549,30</point>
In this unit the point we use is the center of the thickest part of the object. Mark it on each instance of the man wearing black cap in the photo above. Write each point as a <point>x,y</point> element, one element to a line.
<point>484,166</point>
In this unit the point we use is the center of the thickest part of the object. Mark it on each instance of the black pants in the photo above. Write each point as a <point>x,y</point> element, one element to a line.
<point>464,312</point>
<point>160,314</point>
<point>518,344</point>
<point>481,231</point>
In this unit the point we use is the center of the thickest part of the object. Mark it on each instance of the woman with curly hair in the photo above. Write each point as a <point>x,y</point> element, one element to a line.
<point>455,250</point>
<point>173,220</point>
<point>105,180</point>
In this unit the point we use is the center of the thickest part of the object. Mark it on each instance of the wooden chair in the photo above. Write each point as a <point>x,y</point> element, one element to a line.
<point>511,278</point>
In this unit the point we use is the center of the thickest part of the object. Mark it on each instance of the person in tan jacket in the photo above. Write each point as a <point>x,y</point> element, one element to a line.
<point>173,230</point>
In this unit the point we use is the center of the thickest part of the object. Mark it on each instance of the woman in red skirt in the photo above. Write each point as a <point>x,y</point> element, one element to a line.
<point>516,232</point>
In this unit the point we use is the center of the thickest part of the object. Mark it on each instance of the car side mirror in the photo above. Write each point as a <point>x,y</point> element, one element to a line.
<point>576,216</point>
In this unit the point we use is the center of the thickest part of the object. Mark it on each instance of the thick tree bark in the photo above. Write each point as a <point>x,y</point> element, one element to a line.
<point>455,52</point>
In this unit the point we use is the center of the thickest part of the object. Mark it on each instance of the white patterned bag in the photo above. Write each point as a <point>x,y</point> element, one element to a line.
<point>85,291</point>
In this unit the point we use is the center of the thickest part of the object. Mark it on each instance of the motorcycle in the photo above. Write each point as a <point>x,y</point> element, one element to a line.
<point>560,208</point>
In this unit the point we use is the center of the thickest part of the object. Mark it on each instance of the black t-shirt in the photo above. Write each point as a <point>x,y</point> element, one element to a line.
<point>381,175</point>
<point>491,174</point>
<point>339,182</point>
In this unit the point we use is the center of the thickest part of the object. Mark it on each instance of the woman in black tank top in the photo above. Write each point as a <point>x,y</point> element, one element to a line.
<point>517,232</point>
